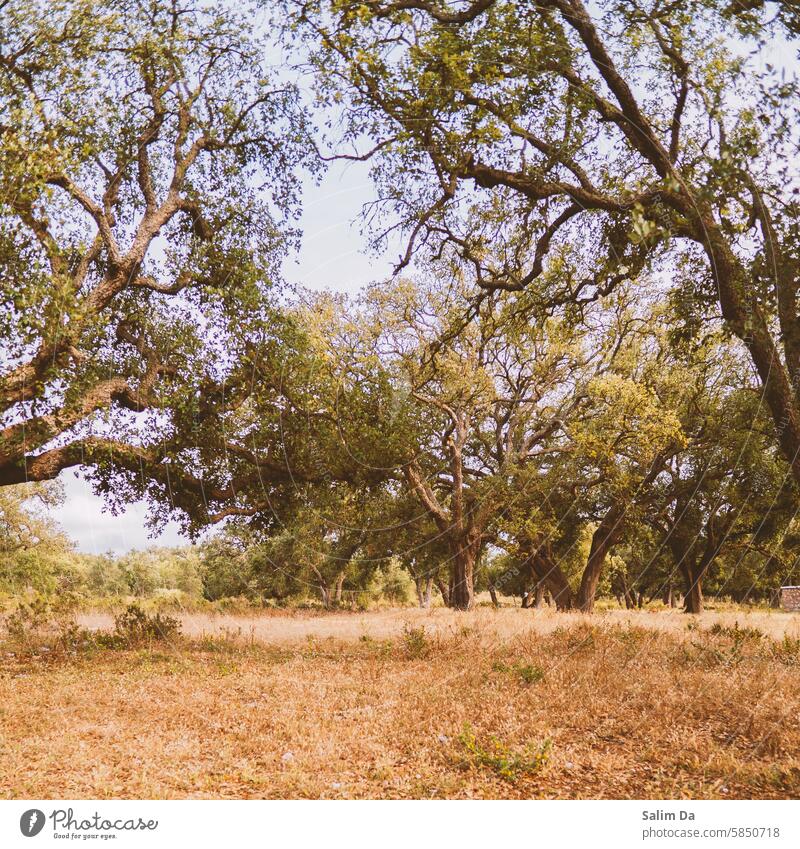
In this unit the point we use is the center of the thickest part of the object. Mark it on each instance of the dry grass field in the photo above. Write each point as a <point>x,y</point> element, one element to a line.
<point>405,703</point>
<point>288,627</point>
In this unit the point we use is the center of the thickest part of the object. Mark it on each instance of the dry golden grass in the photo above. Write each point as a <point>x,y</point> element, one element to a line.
<point>286,627</point>
<point>366,709</point>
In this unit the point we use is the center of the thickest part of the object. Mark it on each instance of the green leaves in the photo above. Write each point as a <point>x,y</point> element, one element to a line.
<point>148,190</point>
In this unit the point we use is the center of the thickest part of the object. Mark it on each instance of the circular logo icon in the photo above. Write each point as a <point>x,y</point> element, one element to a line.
<point>31,822</point>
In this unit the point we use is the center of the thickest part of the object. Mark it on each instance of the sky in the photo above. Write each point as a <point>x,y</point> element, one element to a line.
<point>331,257</point>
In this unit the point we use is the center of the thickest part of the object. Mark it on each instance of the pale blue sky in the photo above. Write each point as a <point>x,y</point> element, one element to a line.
<point>331,257</point>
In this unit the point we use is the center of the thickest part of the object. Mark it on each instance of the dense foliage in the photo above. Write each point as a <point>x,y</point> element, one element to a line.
<point>583,380</point>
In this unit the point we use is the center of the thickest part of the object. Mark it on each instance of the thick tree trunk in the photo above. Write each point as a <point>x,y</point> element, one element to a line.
<point>693,600</point>
<point>744,315</point>
<point>465,548</point>
<point>462,576</point>
<point>555,580</point>
<point>603,540</point>
<point>538,602</point>
<point>337,597</point>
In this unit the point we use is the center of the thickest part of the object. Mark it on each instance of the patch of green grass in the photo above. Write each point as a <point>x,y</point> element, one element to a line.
<point>527,673</point>
<point>509,763</point>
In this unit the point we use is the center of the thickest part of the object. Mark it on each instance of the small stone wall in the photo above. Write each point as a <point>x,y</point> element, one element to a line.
<point>790,598</point>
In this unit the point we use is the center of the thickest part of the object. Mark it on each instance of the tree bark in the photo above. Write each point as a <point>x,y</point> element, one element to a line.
<point>420,592</point>
<point>603,540</point>
<point>462,575</point>
<point>338,592</point>
<point>693,600</point>
<point>444,589</point>
<point>547,570</point>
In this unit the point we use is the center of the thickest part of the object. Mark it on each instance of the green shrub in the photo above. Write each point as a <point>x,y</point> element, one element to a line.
<point>416,643</point>
<point>28,618</point>
<point>33,616</point>
<point>526,673</point>
<point>739,634</point>
<point>134,626</point>
<point>391,584</point>
<point>510,764</point>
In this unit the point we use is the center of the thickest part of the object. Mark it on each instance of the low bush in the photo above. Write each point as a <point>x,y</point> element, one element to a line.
<point>416,643</point>
<point>510,764</point>
<point>135,626</point>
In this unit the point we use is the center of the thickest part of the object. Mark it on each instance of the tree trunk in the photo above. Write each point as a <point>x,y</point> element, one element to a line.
<point>603,540</point>
<point>744,315</point>
<point>625,596</point>
<point>462,576</point>
<point>339,585</point>
<point>693,600</point>
<point>444,590</point>
<point>493,595</point>
<point>538,602</point>
<point>428,587</point>
<point>547,570</point>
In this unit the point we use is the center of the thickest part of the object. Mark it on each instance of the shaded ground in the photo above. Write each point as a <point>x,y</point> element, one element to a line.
<point>472,706</point>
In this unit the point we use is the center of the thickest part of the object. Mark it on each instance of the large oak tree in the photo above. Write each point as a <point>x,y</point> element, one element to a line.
<point>147,190</point>
<point>660,137</point>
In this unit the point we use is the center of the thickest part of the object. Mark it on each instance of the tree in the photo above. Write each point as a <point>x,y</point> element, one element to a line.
<point>147,189</point>
<point>34,551</point>
<point>725,490</point>
<point>404,532</point>
<point>489,398</point>
<point>657,137</point>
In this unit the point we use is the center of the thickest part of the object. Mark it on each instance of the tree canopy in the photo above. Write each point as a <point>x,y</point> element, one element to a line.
<point>147,194</point>
<point>587,147</point>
